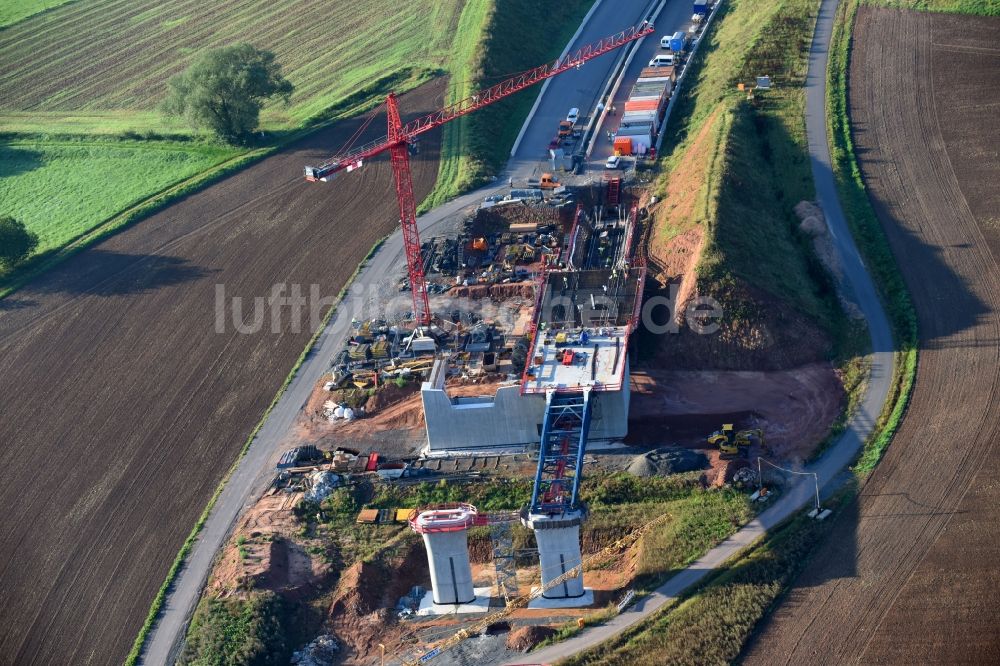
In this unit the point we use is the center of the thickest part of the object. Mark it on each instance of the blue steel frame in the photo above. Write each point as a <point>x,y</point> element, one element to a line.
<point>560,455</point>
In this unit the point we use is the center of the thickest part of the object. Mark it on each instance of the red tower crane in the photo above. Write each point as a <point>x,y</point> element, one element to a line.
<point>401,139</point>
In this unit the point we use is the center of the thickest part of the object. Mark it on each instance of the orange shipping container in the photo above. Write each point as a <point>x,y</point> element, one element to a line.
<point>642,105</point>
<point>623,145</point>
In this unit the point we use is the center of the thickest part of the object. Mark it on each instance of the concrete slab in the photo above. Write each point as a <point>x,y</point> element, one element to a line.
<point>576,602</point>
<point>480,604</point>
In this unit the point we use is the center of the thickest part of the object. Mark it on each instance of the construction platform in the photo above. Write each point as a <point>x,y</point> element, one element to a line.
<point>593,358</point>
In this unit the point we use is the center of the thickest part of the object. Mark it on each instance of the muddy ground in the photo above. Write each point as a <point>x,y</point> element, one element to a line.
<point>909,574</point>
<point>123,407</point>
<point>795,408</point>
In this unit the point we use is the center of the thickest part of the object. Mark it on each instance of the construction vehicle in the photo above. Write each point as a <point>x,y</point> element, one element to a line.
<point>546,182</point>
<point>735,444</point>
<point>402,139</point>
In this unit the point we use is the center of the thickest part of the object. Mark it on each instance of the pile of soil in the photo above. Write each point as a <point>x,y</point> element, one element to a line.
<point>525,638</point>
<point>729,469</point>
<point>671,460</point>
<point>362,612</point>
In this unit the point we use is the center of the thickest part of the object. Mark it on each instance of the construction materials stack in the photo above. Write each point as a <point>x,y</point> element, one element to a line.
<point>644,111</point>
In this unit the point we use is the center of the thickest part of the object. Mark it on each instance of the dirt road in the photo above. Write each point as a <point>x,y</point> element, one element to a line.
<point>123,405</point>
<point>909,575</point>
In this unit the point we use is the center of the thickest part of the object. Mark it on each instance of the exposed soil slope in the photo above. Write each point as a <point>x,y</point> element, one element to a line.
<point>909,575</point>
<point>123,406</point>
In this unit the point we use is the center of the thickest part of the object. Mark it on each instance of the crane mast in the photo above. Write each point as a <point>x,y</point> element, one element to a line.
<point>401,138</point>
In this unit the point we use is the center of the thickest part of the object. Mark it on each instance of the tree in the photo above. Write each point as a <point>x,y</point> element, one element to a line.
<point>225,89</point>
<point>16,242</point>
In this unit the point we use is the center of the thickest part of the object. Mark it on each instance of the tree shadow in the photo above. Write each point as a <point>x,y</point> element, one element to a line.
<point>10,303</point>
<point>105,273</point>
<point>18,160</point>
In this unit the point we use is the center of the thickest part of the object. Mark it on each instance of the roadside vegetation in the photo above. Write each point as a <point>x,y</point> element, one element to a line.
<point>516,35</point>
<point>713,622</point>
<point>871,241</point>
<point>733,171</point>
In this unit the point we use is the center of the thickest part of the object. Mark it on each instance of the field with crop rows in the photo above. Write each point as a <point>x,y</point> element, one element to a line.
<point>114,378</point>
<point>908,574</point>
<point>116,56</point>
<point>59,190</point>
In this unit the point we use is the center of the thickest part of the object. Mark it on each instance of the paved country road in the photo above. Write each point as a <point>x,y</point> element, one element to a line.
<point>860,426</point>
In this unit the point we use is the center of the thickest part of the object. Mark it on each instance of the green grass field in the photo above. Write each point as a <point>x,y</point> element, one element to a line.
<point>61,190</point>
<point>12,11</point>
<point>69,97</point>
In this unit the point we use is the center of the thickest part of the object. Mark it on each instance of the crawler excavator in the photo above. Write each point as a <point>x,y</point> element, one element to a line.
<point>735,444</point>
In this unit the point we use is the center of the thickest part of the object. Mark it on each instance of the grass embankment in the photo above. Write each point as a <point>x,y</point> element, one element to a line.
<point>84,155</point>
<point>779,303</point>
<point>516,35</point>
<point>711,625</point>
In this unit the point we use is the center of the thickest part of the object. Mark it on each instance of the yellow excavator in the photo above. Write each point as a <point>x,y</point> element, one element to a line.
<point>735,444</point>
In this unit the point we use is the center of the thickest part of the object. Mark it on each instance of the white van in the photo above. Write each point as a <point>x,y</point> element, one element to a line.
<point>665,42</point>
<point>662,60</point>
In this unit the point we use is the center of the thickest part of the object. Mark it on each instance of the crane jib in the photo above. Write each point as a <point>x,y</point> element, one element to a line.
<point>410,131</point>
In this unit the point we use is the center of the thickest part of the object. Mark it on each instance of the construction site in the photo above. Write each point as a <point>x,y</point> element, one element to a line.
<point>478,470</point>
<point>517,390</point>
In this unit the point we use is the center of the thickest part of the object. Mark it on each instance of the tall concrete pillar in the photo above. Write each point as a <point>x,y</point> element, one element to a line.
<point>445,532</point>
<point>558,538</point>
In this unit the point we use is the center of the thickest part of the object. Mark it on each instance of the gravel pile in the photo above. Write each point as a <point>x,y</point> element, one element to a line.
<point>671,460</point>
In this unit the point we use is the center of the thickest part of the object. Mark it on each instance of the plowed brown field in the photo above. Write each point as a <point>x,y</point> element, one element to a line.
<point>910,574</point>
<point>121,405</point>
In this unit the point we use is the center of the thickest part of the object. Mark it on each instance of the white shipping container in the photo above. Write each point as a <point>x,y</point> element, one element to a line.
<point>639,116</point>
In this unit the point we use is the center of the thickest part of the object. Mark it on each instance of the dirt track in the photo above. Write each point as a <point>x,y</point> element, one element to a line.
<point>909,574</point>
<point>122,407</point>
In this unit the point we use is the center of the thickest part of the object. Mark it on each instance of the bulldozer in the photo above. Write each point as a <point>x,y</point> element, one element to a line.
<point>735,444</point>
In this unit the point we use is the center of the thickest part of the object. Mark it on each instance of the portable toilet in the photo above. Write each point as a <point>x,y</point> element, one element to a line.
<point>623,145</point>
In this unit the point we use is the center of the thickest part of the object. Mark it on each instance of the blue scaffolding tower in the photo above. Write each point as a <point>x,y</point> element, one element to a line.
<point>560,455</point>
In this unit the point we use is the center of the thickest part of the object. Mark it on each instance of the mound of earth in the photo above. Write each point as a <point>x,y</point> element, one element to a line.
<point>525,638</point>
<point>671,460</point>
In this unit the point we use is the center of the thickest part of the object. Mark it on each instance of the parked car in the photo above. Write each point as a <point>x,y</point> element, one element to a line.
<point>573,115</point>
<point>613,162</point>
